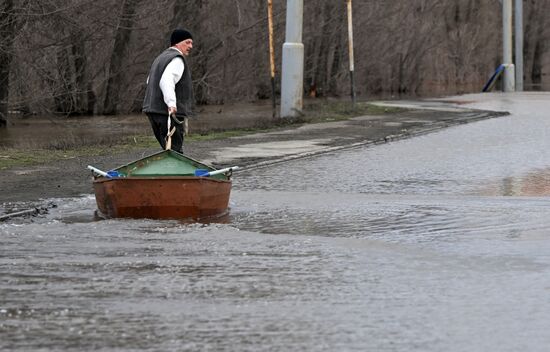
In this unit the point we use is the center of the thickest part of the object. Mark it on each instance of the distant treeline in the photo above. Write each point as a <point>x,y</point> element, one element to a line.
<point>93,56</point>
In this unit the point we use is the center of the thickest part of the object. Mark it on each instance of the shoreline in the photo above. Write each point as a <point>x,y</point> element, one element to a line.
<point>70,178</point>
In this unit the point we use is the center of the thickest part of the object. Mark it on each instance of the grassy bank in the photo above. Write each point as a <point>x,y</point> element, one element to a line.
<point>69,148</point>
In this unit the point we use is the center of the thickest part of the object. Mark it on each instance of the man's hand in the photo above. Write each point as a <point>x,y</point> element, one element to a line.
<point>172,110</point>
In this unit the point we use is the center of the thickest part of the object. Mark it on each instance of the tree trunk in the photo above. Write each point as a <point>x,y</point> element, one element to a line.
<point>536,71</point>
<point>122,41</point>
<point>7,28</point>
<point>322,73</point>
<point>260,37</point>
<point>64,87</point>
<point>532,49</point>
<point>78,51</point>
<point>188,15</point>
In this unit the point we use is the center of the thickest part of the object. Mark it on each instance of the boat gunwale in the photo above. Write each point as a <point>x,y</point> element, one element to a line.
<point>102,179</point>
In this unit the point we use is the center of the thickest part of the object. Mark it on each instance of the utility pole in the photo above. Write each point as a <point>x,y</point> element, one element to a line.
<point>509,75</point>
<point>292,71</point>
<point>519,44</point>
<point>271,54</point>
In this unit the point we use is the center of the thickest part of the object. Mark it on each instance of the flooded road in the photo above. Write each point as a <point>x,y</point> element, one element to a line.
<point>436,243</point>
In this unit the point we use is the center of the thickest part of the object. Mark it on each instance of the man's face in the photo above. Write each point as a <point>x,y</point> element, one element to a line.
<point>185,46</point>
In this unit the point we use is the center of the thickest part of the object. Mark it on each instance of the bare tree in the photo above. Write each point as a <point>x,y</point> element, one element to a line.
<point>535,43</point>
<point>85,56</point>
<point>7,34</point>
<point>468,52</point>
<point>119,53</point>
<point>324,34</point>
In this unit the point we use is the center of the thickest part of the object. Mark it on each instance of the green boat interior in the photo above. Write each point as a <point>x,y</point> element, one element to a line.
<point>165,163</point>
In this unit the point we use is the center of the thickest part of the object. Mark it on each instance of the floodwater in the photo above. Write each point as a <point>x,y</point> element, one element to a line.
<point>436,243</point>
<point>48,132</point>
<point>52,132</point>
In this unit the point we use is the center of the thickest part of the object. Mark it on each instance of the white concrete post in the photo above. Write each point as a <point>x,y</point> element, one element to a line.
<point>509,75</point>
<point>292,72</point>
<point>518,16</point>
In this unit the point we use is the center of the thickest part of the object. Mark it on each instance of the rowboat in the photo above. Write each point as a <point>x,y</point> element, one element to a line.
<point>165,185</point>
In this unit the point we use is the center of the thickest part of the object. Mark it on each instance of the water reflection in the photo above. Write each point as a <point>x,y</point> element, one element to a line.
<point>533,184</point>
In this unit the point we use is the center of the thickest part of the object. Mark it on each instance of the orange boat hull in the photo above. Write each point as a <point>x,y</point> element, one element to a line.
<point>167,197</point>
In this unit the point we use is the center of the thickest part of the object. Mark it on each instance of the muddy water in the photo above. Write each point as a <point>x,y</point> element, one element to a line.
<point>48,132</point>
<point>44,132</point>
<point>437,243</point>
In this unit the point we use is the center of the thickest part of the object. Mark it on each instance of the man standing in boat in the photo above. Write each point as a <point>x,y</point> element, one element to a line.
<point>169,93</point>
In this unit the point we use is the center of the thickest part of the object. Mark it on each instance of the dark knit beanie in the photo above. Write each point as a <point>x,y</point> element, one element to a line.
<point>179,35</point>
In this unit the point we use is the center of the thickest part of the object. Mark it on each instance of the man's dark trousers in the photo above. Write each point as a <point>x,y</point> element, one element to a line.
<point>159,123</point>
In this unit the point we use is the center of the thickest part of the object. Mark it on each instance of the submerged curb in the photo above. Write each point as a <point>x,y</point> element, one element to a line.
<point>478,115</point>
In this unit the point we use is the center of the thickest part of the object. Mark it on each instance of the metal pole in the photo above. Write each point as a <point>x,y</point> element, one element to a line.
<point>271,54</point>
<point>509,76</point>
<point>292,72</point>
<point>519,44</point>
<point>350,45</point>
